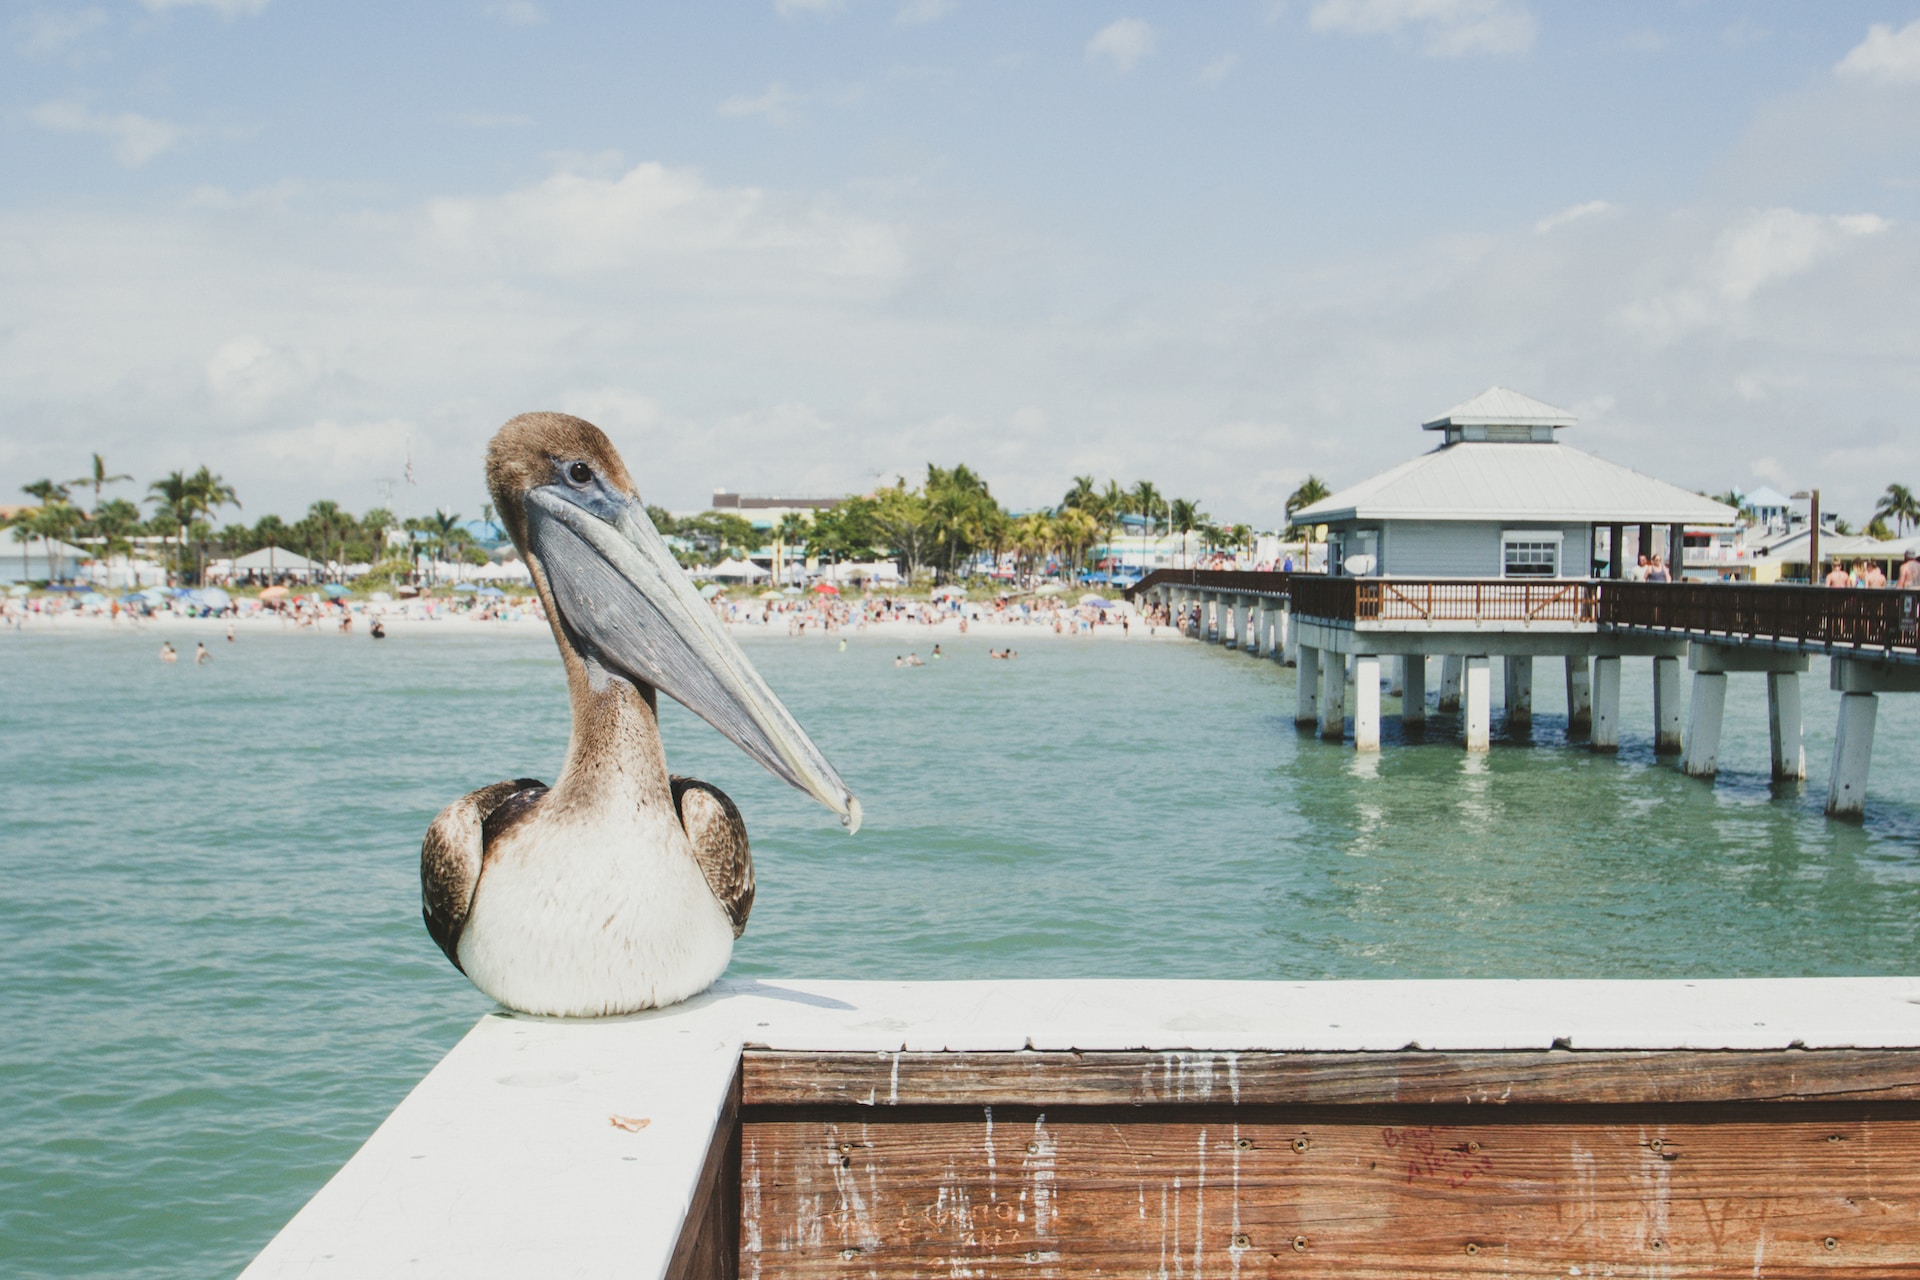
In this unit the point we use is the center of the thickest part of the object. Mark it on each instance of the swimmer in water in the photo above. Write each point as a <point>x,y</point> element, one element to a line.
<point>200,655</point>
<point>898,662</point>
<point>937,655</point>
<point>167,653</point>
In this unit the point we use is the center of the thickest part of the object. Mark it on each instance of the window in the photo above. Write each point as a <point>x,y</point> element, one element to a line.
<point>1530,554</point>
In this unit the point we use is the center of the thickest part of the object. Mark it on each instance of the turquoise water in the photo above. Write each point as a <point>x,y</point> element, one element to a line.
<point>217,983</point>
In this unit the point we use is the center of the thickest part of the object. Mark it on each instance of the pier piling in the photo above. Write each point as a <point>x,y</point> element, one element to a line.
<point>1450,668</point>
<point>1783,726</point>
<point>1852,754</point>
<point>1413,690</point>
<point>1517,669</point>
<point>1606,704</point>
<point>1333,697</point>
<point>1705,712</point>
<point>1307,695</point>
<point>1477,695</point>
<point>1666,706</point>
<point>1366,702</point>
<point>1579,694</point>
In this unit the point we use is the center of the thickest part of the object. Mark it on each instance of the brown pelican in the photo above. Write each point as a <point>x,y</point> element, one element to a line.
<point>620,887</point>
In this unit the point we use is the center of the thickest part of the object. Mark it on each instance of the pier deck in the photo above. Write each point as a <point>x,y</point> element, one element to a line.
<point>1338,630</point>
<point>1364,1129</point>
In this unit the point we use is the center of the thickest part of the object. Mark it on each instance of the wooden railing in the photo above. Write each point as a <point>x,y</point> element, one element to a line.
<point>1812,617</point>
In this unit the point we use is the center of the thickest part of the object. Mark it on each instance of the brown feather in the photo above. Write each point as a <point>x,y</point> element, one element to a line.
<point>451,854</point>
<point>719,837</point>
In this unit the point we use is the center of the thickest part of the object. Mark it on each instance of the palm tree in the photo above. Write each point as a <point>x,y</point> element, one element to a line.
<point>206,494</point>
<point>1310,491</point>
<point>1183,517</point>
<point>444,525</point>
<point>1081,494</point>
<point>1900,505</point>
<point>99,479</point>
<point>790,532</point>
<point>173,501</point>
<point>1076,529</point>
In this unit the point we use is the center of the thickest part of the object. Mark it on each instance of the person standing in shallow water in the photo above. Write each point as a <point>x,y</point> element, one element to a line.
<point>167,653</point>
<point>200,655</point>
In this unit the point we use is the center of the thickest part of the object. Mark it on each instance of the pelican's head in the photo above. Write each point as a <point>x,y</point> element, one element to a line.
<point>618,595</point>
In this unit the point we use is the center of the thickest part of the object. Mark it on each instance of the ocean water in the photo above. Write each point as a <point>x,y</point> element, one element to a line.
<point>216,982</point>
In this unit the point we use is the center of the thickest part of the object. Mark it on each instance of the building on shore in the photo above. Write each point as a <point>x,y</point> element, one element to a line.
<point>1502,497</point>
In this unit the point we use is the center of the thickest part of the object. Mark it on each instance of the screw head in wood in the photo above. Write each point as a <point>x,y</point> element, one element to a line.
<point>1472,1147</point>
<point>1244,1144</point>
<point>848,1255</point>
<point>1243,1241</point>
<point>1472,1247</point>
<point>1301,1143</point>
<point>1033,1148</point>
<point>1299,1244</point>
<point>1655,1145</point>
<point>1831,1244</point>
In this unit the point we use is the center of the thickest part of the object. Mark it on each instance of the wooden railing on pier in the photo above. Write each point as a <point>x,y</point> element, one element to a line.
<point>1806,617</point>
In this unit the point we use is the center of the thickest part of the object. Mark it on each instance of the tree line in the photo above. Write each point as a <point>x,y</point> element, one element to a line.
<point>181,508</point>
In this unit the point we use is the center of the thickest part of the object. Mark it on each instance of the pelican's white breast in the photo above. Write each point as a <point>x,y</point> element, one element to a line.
<point>586,913</point>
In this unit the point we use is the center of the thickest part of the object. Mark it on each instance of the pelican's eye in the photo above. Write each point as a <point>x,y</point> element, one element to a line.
<point>580,474</point>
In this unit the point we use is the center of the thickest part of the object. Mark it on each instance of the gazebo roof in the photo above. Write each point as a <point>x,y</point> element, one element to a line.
<point>1501,407</point>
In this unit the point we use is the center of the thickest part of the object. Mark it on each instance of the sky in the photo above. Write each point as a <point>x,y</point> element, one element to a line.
<point>804,246</point>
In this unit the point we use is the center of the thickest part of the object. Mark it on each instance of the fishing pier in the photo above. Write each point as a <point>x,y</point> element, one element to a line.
<point>1343,633</point>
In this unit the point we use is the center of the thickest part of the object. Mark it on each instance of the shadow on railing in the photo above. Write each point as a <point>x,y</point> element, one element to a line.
<point>1819,617</point>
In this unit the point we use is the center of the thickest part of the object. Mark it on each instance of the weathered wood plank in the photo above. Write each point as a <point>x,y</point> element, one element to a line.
<point>1369,1193</point>
<point>709,1235</point>
<point>1157,1078</point>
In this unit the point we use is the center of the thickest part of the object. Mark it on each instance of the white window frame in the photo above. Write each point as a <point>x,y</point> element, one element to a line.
<point>1554,537</point>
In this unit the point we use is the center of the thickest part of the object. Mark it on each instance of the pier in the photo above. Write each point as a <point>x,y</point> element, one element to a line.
<point>1343,633</point>
<point>1130,1128</point>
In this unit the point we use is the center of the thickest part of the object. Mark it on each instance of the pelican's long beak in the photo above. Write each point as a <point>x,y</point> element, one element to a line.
<point>619,591</point>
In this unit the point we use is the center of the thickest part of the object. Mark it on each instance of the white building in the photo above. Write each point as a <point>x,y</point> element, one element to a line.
<point>1502,497</point>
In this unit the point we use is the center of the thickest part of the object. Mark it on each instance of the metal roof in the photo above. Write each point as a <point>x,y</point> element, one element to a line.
<point>1542,482</point>
<point>1502,407</point>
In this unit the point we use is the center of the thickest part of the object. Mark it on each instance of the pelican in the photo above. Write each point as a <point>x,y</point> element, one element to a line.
<point>620,887</point>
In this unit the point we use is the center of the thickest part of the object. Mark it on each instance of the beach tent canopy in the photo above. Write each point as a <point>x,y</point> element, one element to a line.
<point>732,570</point>
<point>275,560</point>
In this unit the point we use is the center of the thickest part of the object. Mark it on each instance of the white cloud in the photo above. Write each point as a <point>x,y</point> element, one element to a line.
<point>1123,43</point>
<point>225,8</point>
<point>916,13</point>
<point>46,32</point>
<point>136,139</point>
<point>1449,28</point>
<point>775,106</point>
<point>1758,251</point>
<point>1217,70</point>
<point>516,13</point>
<point>1886,56</point>
<point>1573,213</point>
<point>249,375</point>
<point>577,223</point>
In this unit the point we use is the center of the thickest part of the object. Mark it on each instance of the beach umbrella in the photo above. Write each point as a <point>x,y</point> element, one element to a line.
<point>335,590</point>
<point>274,593</point>
<point>492,592</point>
<point>709,591</point>
<point>769,595</point>
<point>465,586</point>
<point>93,597</point>
<point>155,594</point>
<point>17,590</point>
<point>826,588</point>
<point>1096,601</point>
<point>1050,589</point>
<point>792,591</point>
<point>215,598</point>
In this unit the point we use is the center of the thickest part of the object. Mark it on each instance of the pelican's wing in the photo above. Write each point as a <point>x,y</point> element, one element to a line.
<point>450,858</point>
<point>719,839</point>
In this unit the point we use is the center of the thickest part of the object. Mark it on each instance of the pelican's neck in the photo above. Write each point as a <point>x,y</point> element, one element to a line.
<point>614,757</point>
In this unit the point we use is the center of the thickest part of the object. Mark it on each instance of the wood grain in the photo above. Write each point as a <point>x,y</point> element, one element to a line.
<point>708,1248</point>
<point>1367,1192</point>
<point>1150,1079</point>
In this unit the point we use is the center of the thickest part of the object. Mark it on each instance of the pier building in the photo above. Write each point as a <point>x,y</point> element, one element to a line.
<point>1503,543</point>
<point>1502,496</point>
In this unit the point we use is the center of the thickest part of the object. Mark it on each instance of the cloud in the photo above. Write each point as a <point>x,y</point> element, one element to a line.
<point>916,13</point>
<point>1573,213</point>
<point>136,139</point>
<point>1753,254</point>
<point>45,32</point>
<point>1123,43</point>
<point>1886,56</point>
<point>1217,70</point>
<point>489,120</point>
<point>516,13</point>
<point>775,106</point>
<point>225,8</point>
<point>1449,28</point>
<point>248,375</point>
<point>666,220</point>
